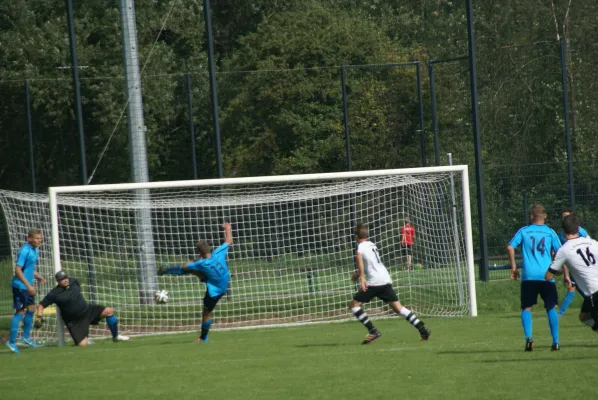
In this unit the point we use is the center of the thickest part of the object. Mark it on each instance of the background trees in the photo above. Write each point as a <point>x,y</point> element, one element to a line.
<point>280,96</point>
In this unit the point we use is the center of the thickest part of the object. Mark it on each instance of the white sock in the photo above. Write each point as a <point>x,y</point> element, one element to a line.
<point>589,322</point>
<point>405,312</point>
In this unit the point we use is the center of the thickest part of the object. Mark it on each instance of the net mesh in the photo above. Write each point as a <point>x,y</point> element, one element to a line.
<point>292,254</point>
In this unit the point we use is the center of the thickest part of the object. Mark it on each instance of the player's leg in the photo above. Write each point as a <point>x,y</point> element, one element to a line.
<point>390,296</point>
<point>79,330</point>
<point>529,297</point>
<point>112,322</point>
<point>585,314</point>
<point>594,310</point>
<point>551,299</point>
<point>568,298</point>
<point>409,256</point>
<point>19,301</point>
<point>209,304</point>
<point>355,307</point>
<point>28,323</point>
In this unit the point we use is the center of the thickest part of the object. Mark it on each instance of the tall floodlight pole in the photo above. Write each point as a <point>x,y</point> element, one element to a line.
<point>477,144</point>
<point>145,257</point>
<point>213,88</point>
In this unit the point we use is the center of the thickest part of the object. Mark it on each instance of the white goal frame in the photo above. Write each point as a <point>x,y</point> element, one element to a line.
<point>461,170</point>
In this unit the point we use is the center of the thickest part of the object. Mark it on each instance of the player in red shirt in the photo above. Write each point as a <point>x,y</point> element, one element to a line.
<point>407,239</point>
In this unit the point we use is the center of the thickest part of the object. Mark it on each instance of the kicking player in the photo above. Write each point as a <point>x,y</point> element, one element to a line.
<point>580,254</point>
<point>23,292</point>
<point>212,269</point>
<point>538,242</point>
<point>571,286</point>
<point>75,312</point>
<point>378,284</point>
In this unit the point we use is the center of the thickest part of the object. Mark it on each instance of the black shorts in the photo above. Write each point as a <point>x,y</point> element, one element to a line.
<point>384,293</point>
<point>210,302</point>
<point>547,291</point>
<point>406,248</point>
<point>79,329</point>
<point>586,306</point>
<point>21,299</point>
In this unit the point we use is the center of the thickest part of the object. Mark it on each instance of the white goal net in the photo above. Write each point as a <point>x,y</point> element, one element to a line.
<point>293,246</point>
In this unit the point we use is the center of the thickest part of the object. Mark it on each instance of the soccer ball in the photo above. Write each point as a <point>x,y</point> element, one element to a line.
<point>161,297</point>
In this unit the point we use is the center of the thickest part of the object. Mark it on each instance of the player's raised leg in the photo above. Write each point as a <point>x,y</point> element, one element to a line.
<point>567,301</point>
<point>411,318</point>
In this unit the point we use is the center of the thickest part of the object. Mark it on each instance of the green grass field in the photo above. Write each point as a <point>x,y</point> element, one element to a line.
<point>466,358</point>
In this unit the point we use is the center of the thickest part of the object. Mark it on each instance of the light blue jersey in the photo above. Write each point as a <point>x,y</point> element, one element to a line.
<point>537,243</point>
<point>581,232</point>
<point>215,269</point>
<point>27,260</point>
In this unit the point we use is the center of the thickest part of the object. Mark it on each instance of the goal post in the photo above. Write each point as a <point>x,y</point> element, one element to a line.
<point>293,245</point>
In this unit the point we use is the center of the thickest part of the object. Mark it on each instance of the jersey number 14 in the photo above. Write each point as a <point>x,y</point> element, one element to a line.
<point>540,247</point>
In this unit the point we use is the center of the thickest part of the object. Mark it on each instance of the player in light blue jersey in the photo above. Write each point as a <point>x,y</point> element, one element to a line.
<point>538,243</point>
<point>23,292</point>
<point>212,269</point>
<point>571,286</point>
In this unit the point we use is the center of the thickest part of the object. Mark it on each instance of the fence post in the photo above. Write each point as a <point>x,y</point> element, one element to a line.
<point>191,125</point>
<point>563,44</point>
<point>346,117</point>
<point>477,144</point>
<point>434,114</point>
<point>213,88</point>
<point>30,134</point>
<point>421,114</point>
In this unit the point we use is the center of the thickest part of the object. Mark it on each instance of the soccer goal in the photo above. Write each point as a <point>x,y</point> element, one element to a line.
<point>293,246</point>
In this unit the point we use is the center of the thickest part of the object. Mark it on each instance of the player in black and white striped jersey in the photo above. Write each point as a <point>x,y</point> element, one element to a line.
<point>377,284</point>
<point>581,256</point>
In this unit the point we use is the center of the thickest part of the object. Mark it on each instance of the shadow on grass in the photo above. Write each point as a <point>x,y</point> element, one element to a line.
<point>590,346</point>
<point>307,345</point>
<point>465,352</point>
<point>536,359</point>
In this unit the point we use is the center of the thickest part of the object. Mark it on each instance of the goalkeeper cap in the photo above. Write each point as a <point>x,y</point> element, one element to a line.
<point>60,275</point>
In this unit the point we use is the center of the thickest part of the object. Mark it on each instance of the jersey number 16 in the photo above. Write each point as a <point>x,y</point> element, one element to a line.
<point>587,258</point>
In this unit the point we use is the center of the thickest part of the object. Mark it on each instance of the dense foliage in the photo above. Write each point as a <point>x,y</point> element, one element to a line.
<point>280,94</point>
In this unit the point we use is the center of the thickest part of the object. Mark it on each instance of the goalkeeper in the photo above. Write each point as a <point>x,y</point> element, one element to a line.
<point>212,269</point>
<point>76,312</point>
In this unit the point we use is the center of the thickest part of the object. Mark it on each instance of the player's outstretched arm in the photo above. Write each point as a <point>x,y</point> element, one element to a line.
<point>174,270</point>
<point>228,233</point>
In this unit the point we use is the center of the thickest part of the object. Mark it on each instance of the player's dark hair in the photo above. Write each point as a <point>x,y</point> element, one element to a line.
<point>361,231</point>
<point>203,247</point>
<point>568,211</point>
<point>570,224</point>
